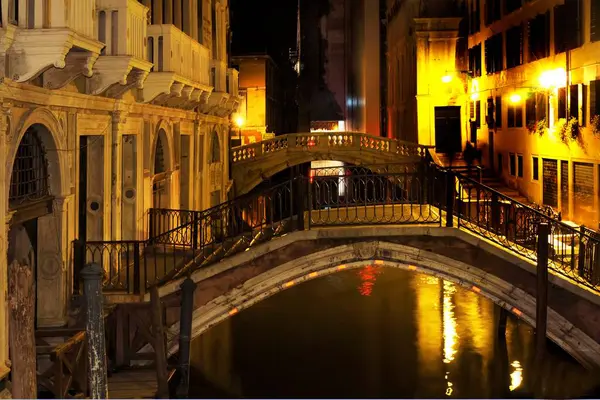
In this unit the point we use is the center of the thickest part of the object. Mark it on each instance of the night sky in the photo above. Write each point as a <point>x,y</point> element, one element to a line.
<point>263,26</point>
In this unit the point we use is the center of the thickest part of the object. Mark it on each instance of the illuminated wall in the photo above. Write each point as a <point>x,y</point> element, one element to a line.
<point>569,180</point>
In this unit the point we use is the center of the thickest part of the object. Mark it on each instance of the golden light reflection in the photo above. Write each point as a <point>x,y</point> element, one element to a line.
<point>447,78</point>
<point>516,377</point>
<point>428,320</point>
<point>449,323</point>
<point>515,98</point>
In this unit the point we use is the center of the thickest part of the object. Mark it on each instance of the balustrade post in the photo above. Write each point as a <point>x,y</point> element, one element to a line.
<point>450,195</point>
<point>541,315</point>
<point>581,255</point>
<point>136,269</point>
<point>94,303</point>
<point>151,225</point>
<point>300,199</point>
<point>78,263</point>
<point>495,212</point>
<point>194,230</point>
<point>185,333</point>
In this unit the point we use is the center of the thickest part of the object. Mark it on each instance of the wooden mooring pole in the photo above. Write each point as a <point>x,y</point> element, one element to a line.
<point>21,300</point>
<point>185,332</point>
<point>160,351</point>
<point>94,327</point>
<point>541,315</point>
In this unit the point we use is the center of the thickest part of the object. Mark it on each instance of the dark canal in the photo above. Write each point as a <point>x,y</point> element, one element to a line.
<point>378,332</point>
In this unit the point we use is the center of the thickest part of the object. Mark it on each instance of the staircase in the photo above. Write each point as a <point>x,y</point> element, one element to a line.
<point>482,174</point>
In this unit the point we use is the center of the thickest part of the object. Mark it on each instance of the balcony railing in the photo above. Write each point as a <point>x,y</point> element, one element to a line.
<point>233,81</point>
<point>171,50</point>
<point>122,26</point>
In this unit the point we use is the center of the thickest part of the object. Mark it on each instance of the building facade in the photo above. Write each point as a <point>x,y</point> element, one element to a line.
<point>108,108</point>
<point>261,112</point>
<point>533,92</point>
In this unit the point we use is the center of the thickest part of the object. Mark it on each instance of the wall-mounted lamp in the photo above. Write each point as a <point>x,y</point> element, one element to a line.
<point>515,98</point>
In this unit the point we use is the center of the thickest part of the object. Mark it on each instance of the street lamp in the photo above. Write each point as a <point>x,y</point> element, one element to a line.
<point>239,121</point>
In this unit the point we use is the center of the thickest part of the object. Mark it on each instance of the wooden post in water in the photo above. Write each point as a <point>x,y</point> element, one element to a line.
<point>159,344</point>
<point>541,315</point>
<point>21,301</point>
<point>185,332</point>
<point>502,323</point>
<point>94,328</point>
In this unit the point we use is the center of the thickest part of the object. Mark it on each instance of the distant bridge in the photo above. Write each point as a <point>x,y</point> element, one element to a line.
<point>253,163</point>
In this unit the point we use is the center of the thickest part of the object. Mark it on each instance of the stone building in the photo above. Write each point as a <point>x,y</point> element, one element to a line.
<point>108,108</point>
<point>522,88</point>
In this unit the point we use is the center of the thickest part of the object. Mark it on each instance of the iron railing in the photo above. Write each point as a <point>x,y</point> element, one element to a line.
<point>574,252</point>
<point>181,241</point>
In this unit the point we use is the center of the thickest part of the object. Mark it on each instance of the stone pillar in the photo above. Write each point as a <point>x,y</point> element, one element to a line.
<point>187,17</point>
<point>157,12</point>
<point>194,19</point>
<point>118,122</point>
<point>4,222</point>
<point>168,16</point>
<point>51,276</point>
<point>177,16</point>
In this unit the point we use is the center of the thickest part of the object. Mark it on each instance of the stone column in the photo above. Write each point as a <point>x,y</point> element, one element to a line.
<point>157,12</point>
<point>187,17</point>
<point>118,126</point>
<point>4,222</point>
<point>177,17</point>
<point>194,19</point>
<point>168,18</point>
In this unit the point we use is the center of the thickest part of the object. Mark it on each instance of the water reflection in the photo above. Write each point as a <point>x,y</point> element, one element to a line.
<point>400,334</point>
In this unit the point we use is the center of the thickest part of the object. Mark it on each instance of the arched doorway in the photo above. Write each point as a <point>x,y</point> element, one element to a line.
<point>30,204</point>
<point>160,179</point>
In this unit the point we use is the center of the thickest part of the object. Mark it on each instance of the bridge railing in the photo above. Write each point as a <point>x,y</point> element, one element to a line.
<point>574,253</point>
<point>329,141</point>
<point>181,240</point>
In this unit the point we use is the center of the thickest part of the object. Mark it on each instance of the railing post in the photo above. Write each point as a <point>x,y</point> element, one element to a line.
<point>185,332</point>
<point>136,269</point>
<point>450,194</point>
<point>194,230</point>
<point>300,199</point>
<point>78,263</point>
<point>151,225</point>
<point>541,302</point>
<point>581,260</point>
<point>160,351</point>
<point>495,213</point>
<point>94,327</point>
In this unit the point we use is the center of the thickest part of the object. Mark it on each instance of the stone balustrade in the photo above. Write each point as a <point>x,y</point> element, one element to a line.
<point>219,76</point>
<point>233,87</point>
<point>171,50</point>
<point>326,142</point>
<point>122,26</point>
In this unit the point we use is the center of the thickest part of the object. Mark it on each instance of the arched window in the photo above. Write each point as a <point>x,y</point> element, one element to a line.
<point>215,148</point>
<point>159,157</point>
<point>29,179</point>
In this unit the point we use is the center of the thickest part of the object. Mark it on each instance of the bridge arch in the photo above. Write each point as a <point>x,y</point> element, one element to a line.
<point>348,256</point>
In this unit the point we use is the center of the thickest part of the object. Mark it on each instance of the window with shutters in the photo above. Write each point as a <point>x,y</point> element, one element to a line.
<point>520,165</point>
<point>535,168</point>
<point>541,106</point>
<point>539,37</point>
<point>474,17</point>
<point>475,60</point>
<point>594,98</point>
<point>478,113</point>
<point>493,54</point>
<point>490,118</point>
<point>578,103</point>
<point>568,20</point>
<point>492,11</point>
<point>530,115</point>
<point>514,47</point>
<point>562,103</point>
<point>512,164</point>
<point>498,115</point>
<point>515,116</point>
<point>511,5</point>
<point>595,21</point>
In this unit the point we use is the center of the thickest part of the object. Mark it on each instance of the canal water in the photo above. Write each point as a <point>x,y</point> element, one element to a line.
<point>378,332</point>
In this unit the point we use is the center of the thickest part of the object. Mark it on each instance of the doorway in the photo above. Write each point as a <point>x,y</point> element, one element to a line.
<point>447,129</point>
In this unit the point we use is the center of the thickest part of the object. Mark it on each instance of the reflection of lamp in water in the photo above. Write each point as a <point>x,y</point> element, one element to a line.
<point>516,377</point>
<point>449,329</point>
<point>368,275</point>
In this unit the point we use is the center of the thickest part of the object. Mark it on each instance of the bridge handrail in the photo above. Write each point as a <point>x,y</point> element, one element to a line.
<point>415,195</point>
<point>340,140</point>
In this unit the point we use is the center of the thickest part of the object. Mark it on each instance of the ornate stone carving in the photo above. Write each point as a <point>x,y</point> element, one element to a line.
<point>50,265</point>
<point>365,250</point>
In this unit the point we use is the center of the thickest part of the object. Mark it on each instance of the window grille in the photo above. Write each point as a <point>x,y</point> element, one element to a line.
<point>29,180</point>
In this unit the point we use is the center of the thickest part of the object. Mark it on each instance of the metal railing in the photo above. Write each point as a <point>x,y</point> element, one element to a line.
<point>181,241</point>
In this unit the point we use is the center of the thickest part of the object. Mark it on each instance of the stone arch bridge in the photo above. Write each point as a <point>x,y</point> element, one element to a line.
<point>253,163</point>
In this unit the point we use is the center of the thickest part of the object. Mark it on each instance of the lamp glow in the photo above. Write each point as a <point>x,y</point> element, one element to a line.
<point>239,121</point>
<point>447,78</point>
<point>553,79</point>
<point>515,98</point>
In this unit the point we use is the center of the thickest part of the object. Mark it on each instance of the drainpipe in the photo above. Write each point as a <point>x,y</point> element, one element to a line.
<point>118,118</point>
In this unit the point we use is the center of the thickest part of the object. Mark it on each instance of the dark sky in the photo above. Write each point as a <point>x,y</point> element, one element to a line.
<point>261,26</point>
